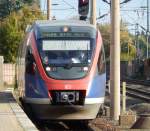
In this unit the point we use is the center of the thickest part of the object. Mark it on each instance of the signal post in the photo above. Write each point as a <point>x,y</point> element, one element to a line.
<point>93,12</point>
<point>48,9</point>
<point>115,60</point>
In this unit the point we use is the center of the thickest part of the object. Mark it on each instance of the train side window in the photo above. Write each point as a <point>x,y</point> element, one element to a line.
<point>101,61</point>
<point>30,62</point>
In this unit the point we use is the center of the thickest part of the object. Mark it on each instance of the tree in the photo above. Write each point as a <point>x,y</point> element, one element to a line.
<point>105,32</point>
<point>10,37</point>
<point>141,40</point>
<point>8,6</point>
<point>12,30</point>
<point>128,50</point>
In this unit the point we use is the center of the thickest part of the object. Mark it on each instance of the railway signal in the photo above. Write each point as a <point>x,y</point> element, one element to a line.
<point>83,8</point>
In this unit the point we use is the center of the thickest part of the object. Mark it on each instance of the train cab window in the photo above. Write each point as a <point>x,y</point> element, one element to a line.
<point>101,61</point>
<point>30,62</point>
<point>65,58</point>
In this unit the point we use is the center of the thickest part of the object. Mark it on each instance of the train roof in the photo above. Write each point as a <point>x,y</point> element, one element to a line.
<point>41,27</point>
<point>43,23</point>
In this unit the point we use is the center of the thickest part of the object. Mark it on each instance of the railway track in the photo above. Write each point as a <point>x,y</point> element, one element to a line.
<point>141,93</point>
<point>140,82</point>
<point>138,93</point>
<point>98,124</point>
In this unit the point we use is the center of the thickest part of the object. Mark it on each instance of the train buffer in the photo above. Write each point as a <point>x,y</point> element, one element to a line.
<point>12,117</point>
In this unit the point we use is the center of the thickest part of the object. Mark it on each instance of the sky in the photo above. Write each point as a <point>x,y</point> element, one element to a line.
<point>131,12</point>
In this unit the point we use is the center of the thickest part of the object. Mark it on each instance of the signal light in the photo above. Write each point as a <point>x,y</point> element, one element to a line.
<point>83,7</point>
<point>83,1</point>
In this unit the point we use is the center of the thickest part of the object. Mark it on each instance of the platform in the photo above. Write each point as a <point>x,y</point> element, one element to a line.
<point>12,117</point>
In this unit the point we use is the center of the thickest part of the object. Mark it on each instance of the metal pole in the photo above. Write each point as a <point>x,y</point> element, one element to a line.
<point>147,44</point>
<point>93,12</point>
<point>109,86</point>
<point>147,33</point>
<point>137,42</point>
<point>1,72</point>
<point>48,9</point>
<point>115,59</point>
<point>124,96</point>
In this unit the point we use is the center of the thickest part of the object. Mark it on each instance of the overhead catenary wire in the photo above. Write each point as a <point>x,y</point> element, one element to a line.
<point>140,14</point>
<point>60,9</point>
<point>45,5</point>
<point>133,19</point>
<point>69,4</point>
<point>109,2</point>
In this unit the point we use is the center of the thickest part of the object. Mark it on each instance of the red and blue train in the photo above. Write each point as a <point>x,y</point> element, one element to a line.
<point>61,70</point>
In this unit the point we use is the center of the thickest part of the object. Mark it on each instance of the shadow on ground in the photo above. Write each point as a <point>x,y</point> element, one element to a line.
<point>6,97</point>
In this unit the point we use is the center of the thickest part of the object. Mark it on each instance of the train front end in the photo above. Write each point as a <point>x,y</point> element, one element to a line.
<point>67,79</point>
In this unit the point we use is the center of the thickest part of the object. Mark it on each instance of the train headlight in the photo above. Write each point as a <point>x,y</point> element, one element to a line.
<point>66,29</point>
<point>53,69</point>
<point>48,69</point>
<point>84,69</point>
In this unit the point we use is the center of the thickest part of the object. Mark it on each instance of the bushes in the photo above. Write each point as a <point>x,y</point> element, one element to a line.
<point>12,30</point>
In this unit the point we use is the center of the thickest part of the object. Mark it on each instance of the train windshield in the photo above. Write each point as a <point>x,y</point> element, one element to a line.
<point>66,52</point>
<point>66,58</point>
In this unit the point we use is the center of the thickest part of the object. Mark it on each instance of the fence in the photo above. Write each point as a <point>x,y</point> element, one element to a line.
<point>8,74</point>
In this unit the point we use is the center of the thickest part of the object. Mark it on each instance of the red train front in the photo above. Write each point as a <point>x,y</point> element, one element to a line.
<point>61,70</point>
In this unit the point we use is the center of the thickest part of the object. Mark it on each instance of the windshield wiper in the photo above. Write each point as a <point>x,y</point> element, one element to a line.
<point>68,65</point>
